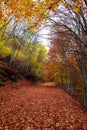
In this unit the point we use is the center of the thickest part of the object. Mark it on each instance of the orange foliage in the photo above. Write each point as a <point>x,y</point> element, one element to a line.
<point>37,10</point>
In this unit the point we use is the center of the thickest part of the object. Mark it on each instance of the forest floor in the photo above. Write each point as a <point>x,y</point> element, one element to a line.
<point>27,106</point>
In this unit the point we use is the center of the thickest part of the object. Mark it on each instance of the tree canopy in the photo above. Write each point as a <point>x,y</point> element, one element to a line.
<point>33,9</point>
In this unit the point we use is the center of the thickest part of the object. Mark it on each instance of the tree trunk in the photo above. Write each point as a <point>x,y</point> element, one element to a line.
<point>68,85</point>
<point>84,77</point>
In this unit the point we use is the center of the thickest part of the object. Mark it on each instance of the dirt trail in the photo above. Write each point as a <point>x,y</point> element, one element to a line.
<point>24,106</point>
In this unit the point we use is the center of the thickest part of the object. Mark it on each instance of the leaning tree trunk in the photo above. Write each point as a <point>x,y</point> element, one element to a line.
<point>84,77</point>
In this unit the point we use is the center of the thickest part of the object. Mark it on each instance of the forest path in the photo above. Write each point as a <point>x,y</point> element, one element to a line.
<point>24,106</point>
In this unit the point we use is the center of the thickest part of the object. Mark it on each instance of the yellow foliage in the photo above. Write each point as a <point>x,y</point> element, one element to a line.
<point>77,6</point>
<point>60,1</point>
<point>5,51</point>
<point>36,10</point>
<point>1,22</point>
<point>76,10</point>
<point>20,55</point>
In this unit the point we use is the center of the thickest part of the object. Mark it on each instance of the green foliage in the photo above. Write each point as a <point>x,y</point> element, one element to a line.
<point>4,50</point>
<point>35,55</point>
<point>31,55</point>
